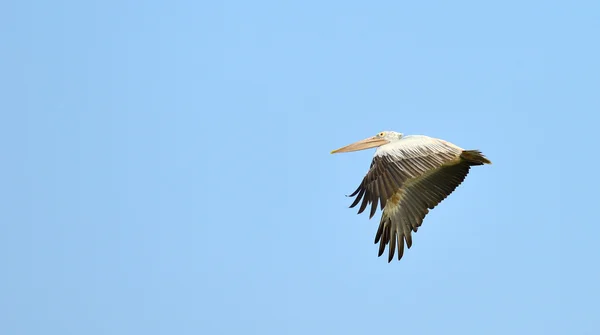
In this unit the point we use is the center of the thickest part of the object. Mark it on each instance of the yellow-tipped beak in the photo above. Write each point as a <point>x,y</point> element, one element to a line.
<point>367,143</point>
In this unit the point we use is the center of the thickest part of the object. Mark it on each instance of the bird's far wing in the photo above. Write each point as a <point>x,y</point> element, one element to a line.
<point>380,183</point>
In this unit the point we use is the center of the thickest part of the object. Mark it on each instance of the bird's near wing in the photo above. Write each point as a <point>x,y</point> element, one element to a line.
<point>407,179</point>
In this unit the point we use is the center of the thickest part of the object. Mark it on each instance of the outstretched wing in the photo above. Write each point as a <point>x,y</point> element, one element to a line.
<point>407,178</point>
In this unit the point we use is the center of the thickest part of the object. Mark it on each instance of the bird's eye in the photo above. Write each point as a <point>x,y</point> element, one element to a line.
<point>382,134</point>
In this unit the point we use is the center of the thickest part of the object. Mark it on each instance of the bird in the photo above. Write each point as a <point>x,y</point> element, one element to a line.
<point>408,176</point>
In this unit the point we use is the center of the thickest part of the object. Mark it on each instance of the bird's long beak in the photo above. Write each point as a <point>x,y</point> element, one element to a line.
<point>367,143</point>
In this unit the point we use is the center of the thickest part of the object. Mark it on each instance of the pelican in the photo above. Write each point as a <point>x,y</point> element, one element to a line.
<point>409,175</point>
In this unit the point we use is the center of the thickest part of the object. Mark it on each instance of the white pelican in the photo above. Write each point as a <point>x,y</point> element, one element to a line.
<point>409,175</point>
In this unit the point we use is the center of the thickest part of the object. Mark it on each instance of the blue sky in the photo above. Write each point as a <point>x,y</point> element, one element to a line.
<point>167,170</point>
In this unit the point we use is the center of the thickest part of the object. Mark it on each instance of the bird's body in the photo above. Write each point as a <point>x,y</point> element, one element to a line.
<point>409,175</point>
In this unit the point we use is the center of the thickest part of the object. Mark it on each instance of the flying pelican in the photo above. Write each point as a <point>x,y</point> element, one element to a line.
<point>409,175</point>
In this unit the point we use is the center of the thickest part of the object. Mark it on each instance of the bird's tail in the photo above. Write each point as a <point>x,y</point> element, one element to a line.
<point>474,157</point>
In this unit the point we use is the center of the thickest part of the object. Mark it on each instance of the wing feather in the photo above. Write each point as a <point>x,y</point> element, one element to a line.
<point>357,199</point>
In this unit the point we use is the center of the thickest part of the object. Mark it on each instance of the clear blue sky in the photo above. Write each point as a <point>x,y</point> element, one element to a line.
<point>166,168</point>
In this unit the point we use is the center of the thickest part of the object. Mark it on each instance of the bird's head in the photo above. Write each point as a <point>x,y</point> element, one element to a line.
<point>378,140</point>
